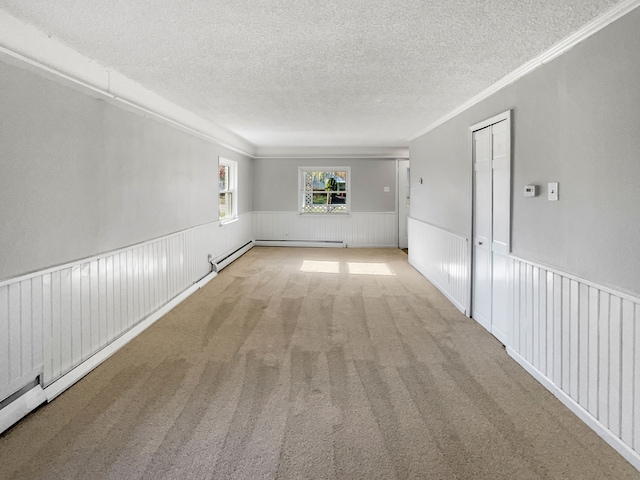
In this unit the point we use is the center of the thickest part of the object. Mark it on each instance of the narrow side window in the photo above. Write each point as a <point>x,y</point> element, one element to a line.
<point>227,194</point>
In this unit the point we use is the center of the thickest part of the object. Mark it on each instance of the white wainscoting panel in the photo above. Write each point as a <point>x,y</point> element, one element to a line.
<point>54,320</point>
<point>358,229</point>
<point>20,334</point>
<point>583,342</point>
<point>443,258</point>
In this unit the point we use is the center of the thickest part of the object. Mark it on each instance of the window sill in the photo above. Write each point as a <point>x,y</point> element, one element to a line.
<point>227,222</point>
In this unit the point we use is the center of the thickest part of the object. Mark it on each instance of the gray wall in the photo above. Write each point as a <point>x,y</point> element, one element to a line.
<point>79,176</point>
<point>576,120</point>
<point>275,183</point>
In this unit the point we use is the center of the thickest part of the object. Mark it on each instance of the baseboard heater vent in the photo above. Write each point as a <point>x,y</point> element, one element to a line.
<point>220,263</point>
<point>301,243</point>
<point>20,404</point>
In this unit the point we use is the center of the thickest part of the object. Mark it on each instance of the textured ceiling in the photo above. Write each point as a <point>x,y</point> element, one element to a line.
<point>309,72</point>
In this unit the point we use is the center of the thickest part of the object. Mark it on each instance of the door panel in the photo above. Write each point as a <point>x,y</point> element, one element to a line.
<point>501,198</point>
<point>482,217</point>
<point>501,166</point>
<point>482,286</point>
<point>500,297</point>
<point>501,143</point>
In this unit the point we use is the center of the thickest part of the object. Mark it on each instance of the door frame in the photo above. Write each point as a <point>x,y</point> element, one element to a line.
<point>398,160</point>
<point>507,115</point>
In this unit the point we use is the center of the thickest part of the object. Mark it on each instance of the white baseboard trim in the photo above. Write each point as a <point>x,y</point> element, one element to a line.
<point>632,457</point>
<point>440,288</point>
<point>299,243</point>
<point>21,407</point>
<point>74,375</point>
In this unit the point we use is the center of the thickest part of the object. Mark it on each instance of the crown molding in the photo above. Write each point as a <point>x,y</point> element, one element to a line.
<point>332,152</point>
<point>27,47</point>
<point>594,26</point>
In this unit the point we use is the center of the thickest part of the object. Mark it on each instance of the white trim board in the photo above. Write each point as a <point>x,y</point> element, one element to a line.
<point>558,49</point>
<point>610,290</point>
<point>433,225</point>
<point>98,256</point>
<point>332,152</point>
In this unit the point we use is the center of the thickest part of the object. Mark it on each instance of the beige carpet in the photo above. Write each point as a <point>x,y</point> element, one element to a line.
<point>271,371</point>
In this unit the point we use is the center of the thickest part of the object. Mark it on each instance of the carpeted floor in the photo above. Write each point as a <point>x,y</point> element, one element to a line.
<point>277,370</point>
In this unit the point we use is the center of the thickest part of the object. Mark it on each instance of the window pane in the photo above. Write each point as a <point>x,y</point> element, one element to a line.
<point>225,205</point>
<point>319,198</point>
<point>339,198</point>
<point>223,173</point>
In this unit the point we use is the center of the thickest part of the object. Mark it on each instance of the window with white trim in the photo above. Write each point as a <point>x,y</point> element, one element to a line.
<point>324,190</point>
<point>227,184</point>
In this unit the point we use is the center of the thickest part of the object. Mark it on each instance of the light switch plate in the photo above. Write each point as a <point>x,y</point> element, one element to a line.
<point>386,189</point>
<point>553,192</point>
<point>530,190</point>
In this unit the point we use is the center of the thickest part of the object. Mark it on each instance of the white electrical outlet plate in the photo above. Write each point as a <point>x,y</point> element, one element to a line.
<point>530,190</point>
<point>386,189</point>
<point>553,192</point>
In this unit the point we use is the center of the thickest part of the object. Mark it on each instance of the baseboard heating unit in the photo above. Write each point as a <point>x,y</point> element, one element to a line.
<point>18,405</point>
<point>220,263</point>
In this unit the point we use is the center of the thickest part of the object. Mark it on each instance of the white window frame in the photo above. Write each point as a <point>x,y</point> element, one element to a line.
<point>301,189</point>
<point>232,189</point>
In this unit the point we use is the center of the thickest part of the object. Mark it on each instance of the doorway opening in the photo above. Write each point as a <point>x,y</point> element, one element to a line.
<point>404,201</point>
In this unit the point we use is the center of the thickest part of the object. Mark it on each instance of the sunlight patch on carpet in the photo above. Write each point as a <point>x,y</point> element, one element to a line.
<point>358,268</point>
<point>352,268</point>
<point>314,266</point>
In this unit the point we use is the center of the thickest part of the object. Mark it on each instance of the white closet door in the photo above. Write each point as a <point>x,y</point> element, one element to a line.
<point>491,227</point>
